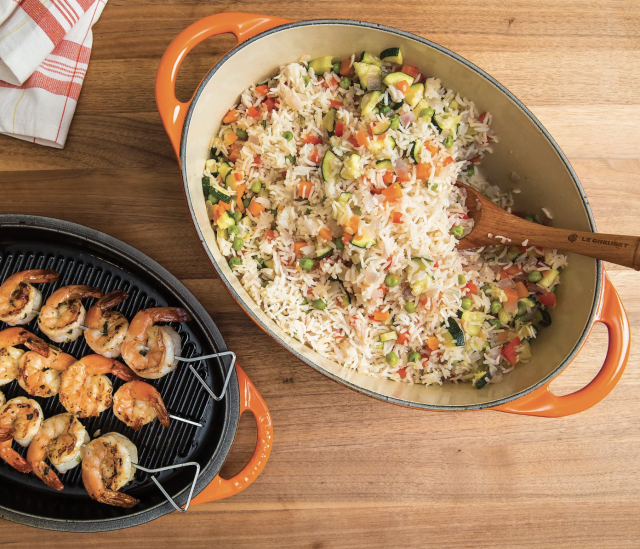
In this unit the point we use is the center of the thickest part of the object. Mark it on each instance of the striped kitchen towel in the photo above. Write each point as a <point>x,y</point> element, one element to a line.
<point>44,53</point>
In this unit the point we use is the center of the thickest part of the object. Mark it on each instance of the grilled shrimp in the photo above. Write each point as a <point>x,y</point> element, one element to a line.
<point>10,355</point>
<point>20,420</point>
<point>39,375</point>
<point>107,329</point>
<point>63,314</point>
<point>85,391</point>
<point>18,298</point>
<point>108,464</point>
<point>149,350</point>
<point>137,403</point>
<point>60,439</point>
<point>3,399</point>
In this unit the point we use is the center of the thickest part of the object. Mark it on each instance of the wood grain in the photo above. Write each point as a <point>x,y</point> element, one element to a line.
<point>348,471</point>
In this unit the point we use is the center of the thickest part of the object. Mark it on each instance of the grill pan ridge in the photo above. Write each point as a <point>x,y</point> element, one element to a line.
<point>85,256</point>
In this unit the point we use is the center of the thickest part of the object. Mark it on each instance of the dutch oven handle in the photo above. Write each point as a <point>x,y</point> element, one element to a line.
<point>250,400</point>
<point>172,111</point>
<point>542,402</point>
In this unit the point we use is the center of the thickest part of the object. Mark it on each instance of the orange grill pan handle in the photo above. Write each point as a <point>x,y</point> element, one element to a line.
<point>172,111</point>
<point>542,402</point>
<point>250,400</point>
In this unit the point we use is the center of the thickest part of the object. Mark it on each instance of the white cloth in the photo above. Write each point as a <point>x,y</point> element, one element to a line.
<point>44,54</point>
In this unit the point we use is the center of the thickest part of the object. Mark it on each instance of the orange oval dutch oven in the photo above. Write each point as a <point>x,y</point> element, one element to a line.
<point>587,295</point>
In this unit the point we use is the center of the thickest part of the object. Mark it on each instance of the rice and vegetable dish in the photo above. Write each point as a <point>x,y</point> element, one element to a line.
<point>332,190</point>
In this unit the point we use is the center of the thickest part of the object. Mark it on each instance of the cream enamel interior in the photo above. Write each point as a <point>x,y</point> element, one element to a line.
<point>523,148</point>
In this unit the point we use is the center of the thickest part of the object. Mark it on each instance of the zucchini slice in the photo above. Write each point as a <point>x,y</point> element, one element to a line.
<point>320,65</point>
<point>220,193</point>
<point>473,317</point>
<point>384,165</point>
<point>392,55</point>
<point>381,126</point>
<point>414,95</point>
<point>420,106</point>
<point>366,71</point>
<point>212,166</point>
<point>344,198</point>
<point>390,141</point>
<point>369,102</point>
<point>351,167</point>
<point>395,78</point>
<point>225,221</point>
<point>230,181</point>
<point>389,336</point>
<point>329,121</point>
<point>415,151</point>
<point>456,332</point>
<point>447,121</point>
<point>371,59</point>
<point>323,251</point>
<point>363,240</point>
<point>423,262</point>
<point>224,169</point>
<point>329,163</point>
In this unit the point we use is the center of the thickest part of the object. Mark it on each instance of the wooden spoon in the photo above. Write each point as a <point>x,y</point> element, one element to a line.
<point>492,222</point>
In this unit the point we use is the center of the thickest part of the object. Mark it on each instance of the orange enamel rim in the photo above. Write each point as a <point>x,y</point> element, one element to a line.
<point>535,400</point>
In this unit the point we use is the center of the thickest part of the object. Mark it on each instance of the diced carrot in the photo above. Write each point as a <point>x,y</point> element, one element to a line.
<point>270,235</point>
<point>346,238</point>
<point>522,290</point>
<point>509,351</point>
<point>403,337</point>
<point>353,140</point>
<point>411,71</point>
<point>231,116</point>
<point>262,90</point>
<point>346,69</point>
<point>325,234</point>
<point>423,171</point>
<point>482,117</point>
<point>402,372</point>
<point>388,177</point>
<point>475,160</point>
<point>269,104</point>
<point>471,288</point>
<point>314,156</point>
<point>502,336</point>
<point>511,294</point>
<point>339,129</point>
<point>362,138</point>
<point>381,316</point>
<point>513,270</point>
<point>257,160</point>
<point>223,206</point>
<point>311,139</point>
<point>255,208</point>
<point>392,192</point>
<point>297,247</point>
<point>447,161</point>
<point>433,343</point>
<point>405,177</point>
<point>431,147</point>
<point>237,176</point>
<point>253,112</point>
<point>336,104</point>
<point>352,225</point>
<point>240,188</point>
<point>216,213</point>
<point>234,151</point>
<point>330,82</point>
<point>418,79</point>
<point>548,299</point>
<point>397,217</point>
<point>230,138</point>
<point>304,189</point>
<point>403,86</point>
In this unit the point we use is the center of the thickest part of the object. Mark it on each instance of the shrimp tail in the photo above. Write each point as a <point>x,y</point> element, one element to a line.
<point>169,314</point>
<point>161,411</point>
<point>6,434</point>
<point>13,458</point>
<point>34,343</point>
<point>80,290</point>
<point>46,475</point>
<point>111,497</point>
<point>124,372</point>
<point>40,276</point>
<point>112,299</point>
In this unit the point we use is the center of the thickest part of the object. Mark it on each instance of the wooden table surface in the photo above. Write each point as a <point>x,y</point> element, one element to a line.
<point>347,470</point>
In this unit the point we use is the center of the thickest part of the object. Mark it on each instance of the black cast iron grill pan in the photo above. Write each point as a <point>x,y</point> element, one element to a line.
<point>84,256</point>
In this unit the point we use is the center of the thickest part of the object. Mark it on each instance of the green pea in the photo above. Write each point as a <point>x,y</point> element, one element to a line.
<point>434,187</point>
<point>448,141</point>
<point>485,289</point>
<point>242,135</point>
<point>290,158</point>
<point>237,216</point>
<point>339,244</point>
<point>306,80</point>
<point>357,210</point>
<point>454,105</point>
<point>238,243</point>
<point>305,301</point>
<point>410,307</point>
<point>345,83</point>
<point>414,357</point>
<point>534,276</point>
<point>395,121</point>
<point>457,231</point>
<point>234,229</point>
<point>391,280</point>
<point>319,304</point>
<point>264,124</point>
<point>213,199</point>
<point>307,263</point>
<point>256,187</point>
<point>264,283</point>
<point>336,67</point>
<point>522,308</point>
<point>470,171</point>
<point>462,280</point>
<point>392,358</point>
<point>427,113</point>
<point>235,262</point>
<point>466,303</point>
<point>385,109</point>
<point>288,136</point>
<point>521,318</point>
<point>495,322</point>
<point>530,218</point>
<point>246,202</point>
<point>496,307</point>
